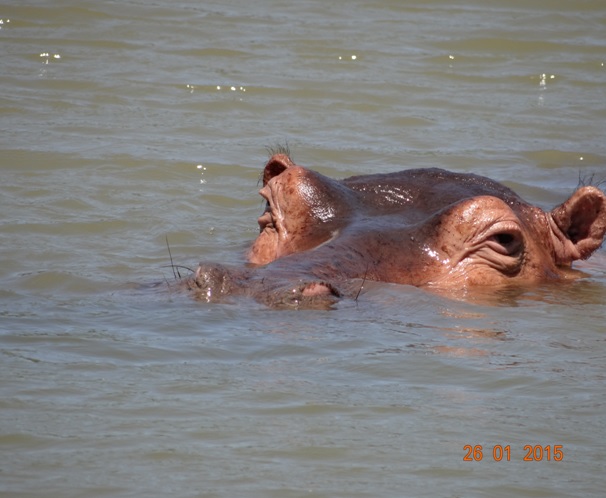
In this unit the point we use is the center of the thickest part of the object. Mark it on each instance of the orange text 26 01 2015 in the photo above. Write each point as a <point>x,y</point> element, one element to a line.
<point>530,453</point>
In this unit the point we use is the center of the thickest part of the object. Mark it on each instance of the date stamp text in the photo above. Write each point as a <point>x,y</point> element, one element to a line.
<point>498,453</point>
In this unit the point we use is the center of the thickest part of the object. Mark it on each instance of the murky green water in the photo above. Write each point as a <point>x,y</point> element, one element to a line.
<point>123,124</point>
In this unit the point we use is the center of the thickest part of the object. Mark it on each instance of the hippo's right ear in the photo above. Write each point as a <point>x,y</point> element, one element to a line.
<point>579,225</point>
<point>276,165</point>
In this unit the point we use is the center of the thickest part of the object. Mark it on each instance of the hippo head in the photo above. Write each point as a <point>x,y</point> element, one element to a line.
<point>425,227</point>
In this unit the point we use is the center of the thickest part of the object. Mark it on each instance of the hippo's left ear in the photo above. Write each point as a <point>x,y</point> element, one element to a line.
<point>580,225</point>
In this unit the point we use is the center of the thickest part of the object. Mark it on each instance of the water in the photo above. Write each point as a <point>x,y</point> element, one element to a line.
<point>124,124</point>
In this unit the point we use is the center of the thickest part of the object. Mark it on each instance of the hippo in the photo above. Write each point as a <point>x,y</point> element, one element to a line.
<point>321,239</point>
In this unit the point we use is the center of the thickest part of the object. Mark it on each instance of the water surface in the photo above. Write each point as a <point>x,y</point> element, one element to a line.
<point>124,124</point>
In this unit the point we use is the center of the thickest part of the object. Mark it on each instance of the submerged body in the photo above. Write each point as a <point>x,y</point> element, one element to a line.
<point>427,227</point>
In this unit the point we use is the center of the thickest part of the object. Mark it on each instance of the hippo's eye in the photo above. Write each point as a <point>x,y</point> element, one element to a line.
<point>507,242</point>
<point>504,239</point>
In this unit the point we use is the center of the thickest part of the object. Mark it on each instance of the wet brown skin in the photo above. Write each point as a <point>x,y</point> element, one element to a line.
<point>429,228</point>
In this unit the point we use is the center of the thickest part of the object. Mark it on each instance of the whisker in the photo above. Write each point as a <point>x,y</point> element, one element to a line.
<point>177,268</point>
<point>363,282</point>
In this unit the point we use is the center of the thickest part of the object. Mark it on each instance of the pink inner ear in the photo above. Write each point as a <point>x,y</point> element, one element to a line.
<point>582,220</point>
<point>276,166</point>
<point>319,289</point>
<point>586,212</point>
